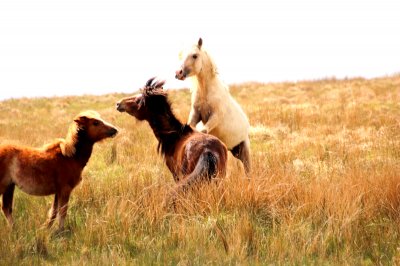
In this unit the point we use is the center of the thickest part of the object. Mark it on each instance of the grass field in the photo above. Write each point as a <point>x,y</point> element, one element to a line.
<point>325,187</point>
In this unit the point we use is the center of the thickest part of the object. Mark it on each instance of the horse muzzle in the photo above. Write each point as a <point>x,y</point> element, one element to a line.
<point>181,74</point>
<point>120,107</point>
<point>112,132</point>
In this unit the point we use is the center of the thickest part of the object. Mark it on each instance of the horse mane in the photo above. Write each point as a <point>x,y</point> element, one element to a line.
<point>171,137</point>
<point>209,71</point>
<point>68,145</point>
<point>177,129</point>
<point>210,65</point>
<point>152,89</point>
<point>53,145</point>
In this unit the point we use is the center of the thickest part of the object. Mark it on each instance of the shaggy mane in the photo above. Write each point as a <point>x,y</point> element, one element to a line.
<point>54,145</point>
<point>213,70</point>
<point>68,144</point>
<point>171,137</point>
<point>148,92</point>
<point>176,129</point>
<point>88,114</point>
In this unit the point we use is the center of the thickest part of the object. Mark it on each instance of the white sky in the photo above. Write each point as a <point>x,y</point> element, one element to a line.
<point>52,47</point>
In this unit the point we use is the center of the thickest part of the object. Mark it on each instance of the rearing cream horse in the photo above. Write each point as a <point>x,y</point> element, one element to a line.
<point>213,105</point>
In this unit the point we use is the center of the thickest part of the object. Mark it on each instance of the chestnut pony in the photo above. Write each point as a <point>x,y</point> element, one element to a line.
<point>53,169</point>
<point>191,156</point>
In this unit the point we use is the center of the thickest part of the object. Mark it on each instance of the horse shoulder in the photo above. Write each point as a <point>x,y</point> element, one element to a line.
<point>217,105</point>
<point>174,161</point>
<point>197,98</point>
<point>8,159</point>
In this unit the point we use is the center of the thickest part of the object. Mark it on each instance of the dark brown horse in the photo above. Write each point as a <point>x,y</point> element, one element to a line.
<point>53,169</point>
<point>191,156</point>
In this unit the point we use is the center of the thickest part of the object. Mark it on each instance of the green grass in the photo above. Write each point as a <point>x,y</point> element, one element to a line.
<point>325,186</point>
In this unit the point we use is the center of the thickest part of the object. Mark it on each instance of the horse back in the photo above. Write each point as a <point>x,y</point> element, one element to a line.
<point>40,172</point>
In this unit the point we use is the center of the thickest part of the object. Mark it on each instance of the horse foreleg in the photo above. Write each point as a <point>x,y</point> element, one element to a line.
<point>242,152</point>
<point>212,123</point>
<point>63,199</point>
<point>8,202</point>
<point>53,212</point>
<point>194,117</point>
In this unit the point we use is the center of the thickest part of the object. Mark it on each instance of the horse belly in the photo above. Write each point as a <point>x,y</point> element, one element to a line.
<point>231,131</point>
<point>39,185</point>
<point>34,179</point>
<point>233,126</point>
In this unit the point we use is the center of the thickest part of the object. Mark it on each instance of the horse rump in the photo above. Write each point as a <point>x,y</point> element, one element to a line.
<point>206,169</point>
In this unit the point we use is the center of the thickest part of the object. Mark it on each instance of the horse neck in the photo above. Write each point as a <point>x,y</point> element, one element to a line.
<point>167,129</point>
<point>83,148</point>
<point>207,77</point>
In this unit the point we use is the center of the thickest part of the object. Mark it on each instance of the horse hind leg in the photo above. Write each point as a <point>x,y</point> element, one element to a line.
<point>242,152</point>
<point>8,202</point>
<point>245,155</point>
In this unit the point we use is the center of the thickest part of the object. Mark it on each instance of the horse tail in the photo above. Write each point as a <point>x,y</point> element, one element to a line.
<point>210,164</point>
<point>205,169</point>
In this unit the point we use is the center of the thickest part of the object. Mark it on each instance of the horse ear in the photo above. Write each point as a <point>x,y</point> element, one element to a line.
<point>159,84</point>
<point>200,43</point>
<point>80,119</point>
<point>148,83</point>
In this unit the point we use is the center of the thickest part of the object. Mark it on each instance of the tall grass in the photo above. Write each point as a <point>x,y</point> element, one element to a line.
<point>325,187</point>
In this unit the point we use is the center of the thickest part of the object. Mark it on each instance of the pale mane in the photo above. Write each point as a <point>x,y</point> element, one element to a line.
<point>68,144</point>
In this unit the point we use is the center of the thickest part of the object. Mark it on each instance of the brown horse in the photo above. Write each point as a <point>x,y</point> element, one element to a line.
<point>191,156</point>
<point>53,169</point>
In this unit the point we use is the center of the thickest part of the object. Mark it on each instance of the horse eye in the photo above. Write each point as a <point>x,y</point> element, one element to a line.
<point>194,56</point>
<point>96,123</point>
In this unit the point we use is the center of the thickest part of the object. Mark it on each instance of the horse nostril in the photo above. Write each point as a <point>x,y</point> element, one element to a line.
<point>178,74</point>
<point>120,107</point>
<point>112,132</point>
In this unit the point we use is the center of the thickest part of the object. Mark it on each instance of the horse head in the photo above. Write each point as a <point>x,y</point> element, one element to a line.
<point>143,105</point>
<point>192,63</point>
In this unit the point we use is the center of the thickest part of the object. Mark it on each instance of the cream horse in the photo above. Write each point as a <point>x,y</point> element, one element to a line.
<point>213,105</point>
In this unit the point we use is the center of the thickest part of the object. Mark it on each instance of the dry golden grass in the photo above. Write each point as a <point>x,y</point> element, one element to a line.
<point>325,187</point>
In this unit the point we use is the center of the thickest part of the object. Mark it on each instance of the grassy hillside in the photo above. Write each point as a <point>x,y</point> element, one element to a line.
<point>325,187</point>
